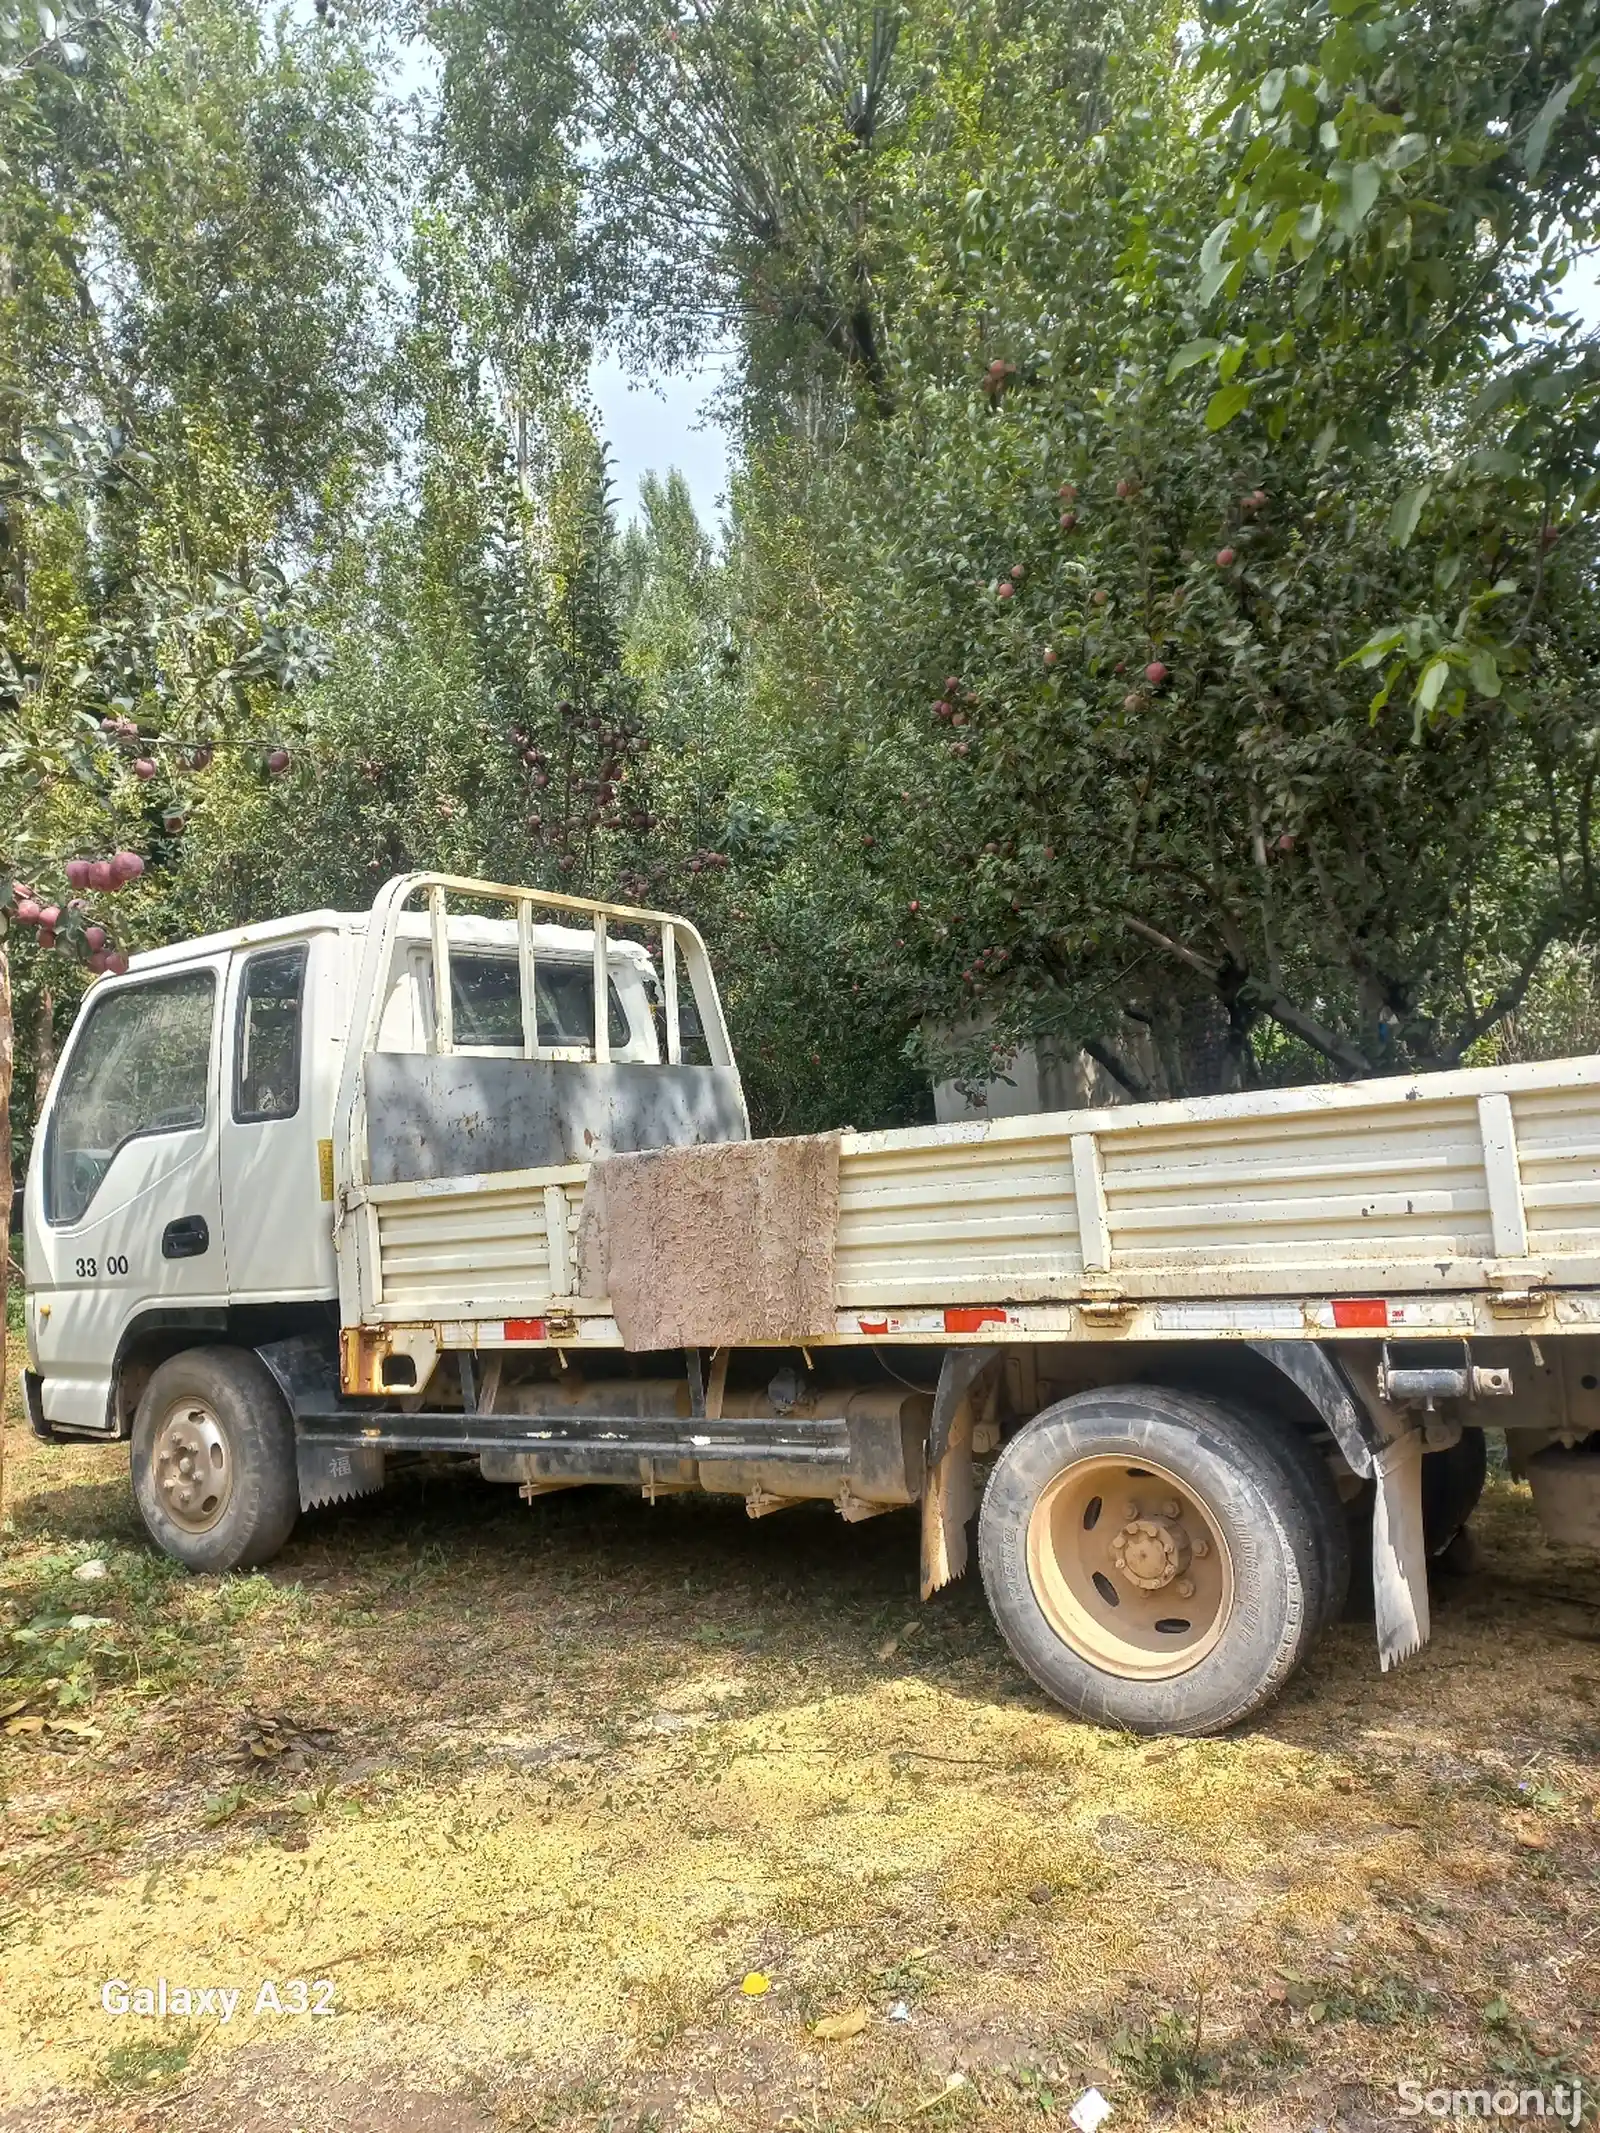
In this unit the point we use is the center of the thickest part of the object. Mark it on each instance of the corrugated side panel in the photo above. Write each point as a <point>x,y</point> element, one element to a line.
<point>1392,1181</point>
<point>979,1221</point>
<point>1558,1149</point>
<point>444,1255</point>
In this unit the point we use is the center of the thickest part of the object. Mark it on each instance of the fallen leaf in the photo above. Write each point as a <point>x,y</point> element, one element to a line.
<point>834,2028</point>
<point>755,1984</point>
<point>951,2081</point>
<point>24,1725</point>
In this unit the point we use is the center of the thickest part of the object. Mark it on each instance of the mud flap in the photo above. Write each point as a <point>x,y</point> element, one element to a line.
<point>948,1495</point>
<point>1399,1552</point>
<point>336,1473</point>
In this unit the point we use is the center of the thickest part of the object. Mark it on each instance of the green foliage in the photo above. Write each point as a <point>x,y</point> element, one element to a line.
<point>1157,607</point>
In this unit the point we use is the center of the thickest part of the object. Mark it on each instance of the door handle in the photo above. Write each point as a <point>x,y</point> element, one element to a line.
<point>186,1238</point>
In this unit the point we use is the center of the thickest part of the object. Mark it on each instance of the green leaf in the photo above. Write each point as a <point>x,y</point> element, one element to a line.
<point>1225,403</point>
<point>1407,510</point>
<point>1409,149</point>
<point>1484,673</point>
<point>1270,95</point>
<point>1365,185</point>
<point>1376,648</point>
<point>1191,353</point>
<point>1540,131</point>
<point>1434,676</point>
<point>1211,250</point>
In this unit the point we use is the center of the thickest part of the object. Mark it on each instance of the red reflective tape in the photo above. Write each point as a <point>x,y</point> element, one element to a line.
<point>525,1329</point>
<point>873,1325</point>
<point>972,1321</point>
<point>1360,1311</point>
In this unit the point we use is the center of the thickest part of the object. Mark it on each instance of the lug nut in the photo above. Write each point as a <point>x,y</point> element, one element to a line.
<point>1131,1508</point>
<point>1201,1548</point>
<point>1185,1588</point>
<point>1171,1508</point>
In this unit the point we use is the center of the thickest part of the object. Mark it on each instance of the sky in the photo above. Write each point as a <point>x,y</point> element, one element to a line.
<point>654,427</point>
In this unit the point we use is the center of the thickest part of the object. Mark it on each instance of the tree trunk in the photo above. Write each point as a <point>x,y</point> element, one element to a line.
<point>44,1049</point>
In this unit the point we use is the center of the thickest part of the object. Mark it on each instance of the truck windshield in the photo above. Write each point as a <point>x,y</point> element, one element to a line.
<point>486,993</point>
<point>140,1065</point>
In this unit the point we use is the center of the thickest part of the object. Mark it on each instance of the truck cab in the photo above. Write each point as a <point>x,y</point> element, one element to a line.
<point>182,1183</point>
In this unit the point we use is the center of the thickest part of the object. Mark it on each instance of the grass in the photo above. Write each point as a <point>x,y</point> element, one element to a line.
<point>535,1787</point>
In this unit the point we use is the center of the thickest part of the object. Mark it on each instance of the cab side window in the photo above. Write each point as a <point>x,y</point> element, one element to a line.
<point>266,1044</point>
<point>140,1066</point>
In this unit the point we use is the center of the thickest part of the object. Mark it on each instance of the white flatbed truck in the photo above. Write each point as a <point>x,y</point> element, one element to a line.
<point>471,1173</point>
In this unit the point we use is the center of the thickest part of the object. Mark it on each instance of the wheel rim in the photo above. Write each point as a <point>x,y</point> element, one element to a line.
<point>193,1467</point>
<point>1131,1567</point>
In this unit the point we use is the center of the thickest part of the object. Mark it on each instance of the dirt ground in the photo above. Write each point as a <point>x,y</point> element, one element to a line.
<point>547,1794</point>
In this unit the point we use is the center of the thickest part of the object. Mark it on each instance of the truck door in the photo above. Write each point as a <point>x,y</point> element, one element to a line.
<point>124,1204</point>
<point>277,1207</point>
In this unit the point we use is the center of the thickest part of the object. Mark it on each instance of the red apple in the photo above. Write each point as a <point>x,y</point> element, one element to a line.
<point>952,682</point>
<point>200,758</point>
<point>127,866</point>
<point>99,963</point>
<point>1016,570</point>
<point>77,873</point>
<point>913,905</point>
<point>1005,591</point>
<point>94,937</point>
<point>102,876</point>
<point>1124,490</point>
<point>117,963</point>
<point>278,762</point>
<point>1099,596</point>
<point>1049,655</point>
<point>143,767</point>
<point>1132,700</point>
<point>1155,673</point>
<point>1068,520</point>
<point>1067,491</point>
<point>50,916</point>
<point>47,936</point>
<point>172,821</point>
<point>28,912</point>
<point>1224,558</point>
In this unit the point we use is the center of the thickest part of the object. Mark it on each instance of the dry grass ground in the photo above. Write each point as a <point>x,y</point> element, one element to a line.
<point>557,1778</point>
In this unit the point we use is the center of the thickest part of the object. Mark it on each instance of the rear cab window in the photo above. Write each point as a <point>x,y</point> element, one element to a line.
<point>486,1002</point>
<point>266,1042</point>
<point>140,1065</point>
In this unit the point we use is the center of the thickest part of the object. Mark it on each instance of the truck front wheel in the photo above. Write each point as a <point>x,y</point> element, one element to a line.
<point>1154,1559</point>
<point>213,1460</point>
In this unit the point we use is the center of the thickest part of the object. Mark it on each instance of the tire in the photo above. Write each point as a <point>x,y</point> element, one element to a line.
<point>1330,1529</point>
<point>1452,1482</point>
<point>213,1460</point>
<point>1260,1591</point>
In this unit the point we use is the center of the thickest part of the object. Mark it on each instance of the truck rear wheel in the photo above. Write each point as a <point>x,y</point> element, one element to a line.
<point>1156,1560</point>
<point>213,1460</point>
